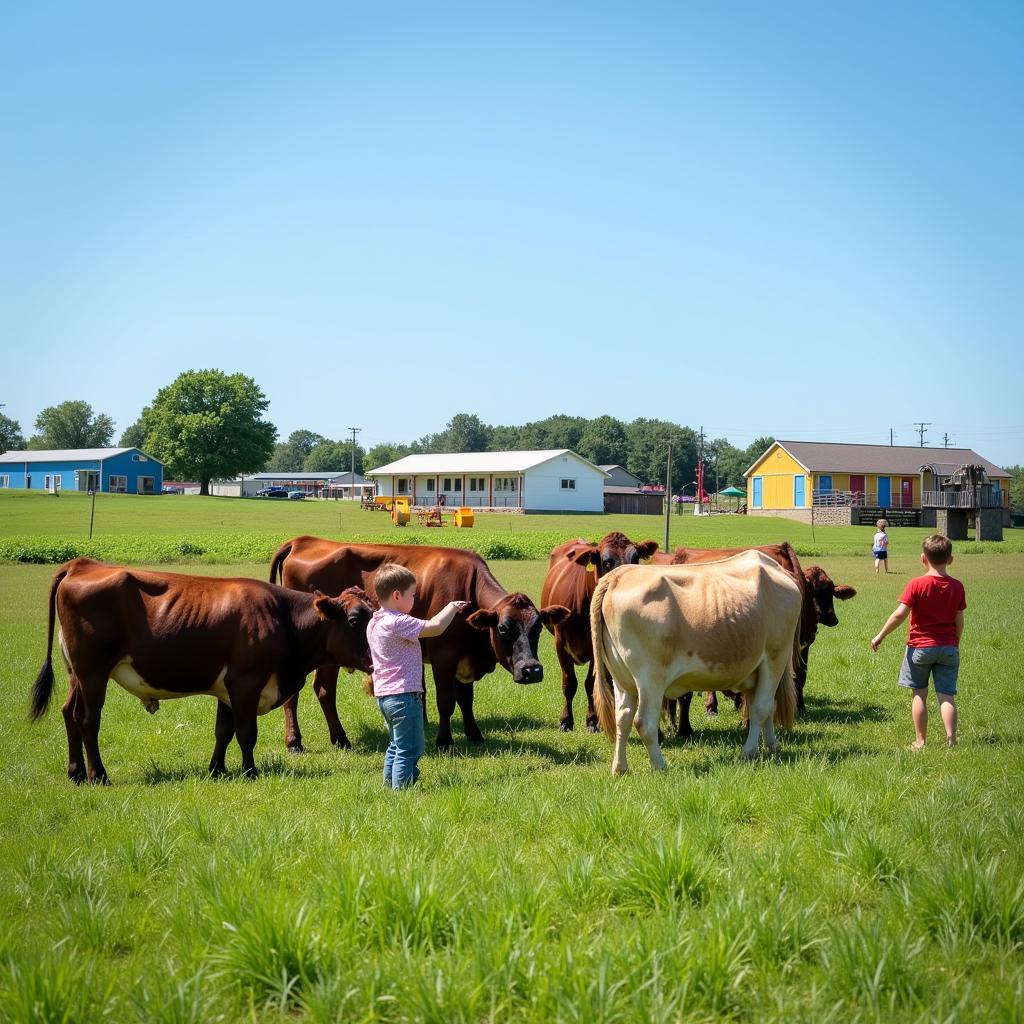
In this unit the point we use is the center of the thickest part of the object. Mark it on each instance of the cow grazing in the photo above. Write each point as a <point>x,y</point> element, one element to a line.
<point>503,630</point>
<point>662,631</point>
<point>818,594</point>
<point>573,572</point>
<point>162,635</point>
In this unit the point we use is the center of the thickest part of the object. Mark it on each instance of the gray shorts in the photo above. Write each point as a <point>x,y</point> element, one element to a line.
<point>941,664</point>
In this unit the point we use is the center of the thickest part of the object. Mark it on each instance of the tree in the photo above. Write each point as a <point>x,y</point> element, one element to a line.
<point>383,453</point>
<point>464,432</point>
<point>11,439</point>
<point>208,424</point>
<point>332,455</point>
<point>134,436</point>
<point>648,449</point>
<point>1016,487</point>
<point>603,442</point>
<point>291,455</point>
<point>72,424</point>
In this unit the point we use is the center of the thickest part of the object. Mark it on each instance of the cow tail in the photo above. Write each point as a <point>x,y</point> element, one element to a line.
<point>604,698</point>
<point>785,695</point>
<point>808,621</point>
<point>43,686</point>
<point>276,572</point>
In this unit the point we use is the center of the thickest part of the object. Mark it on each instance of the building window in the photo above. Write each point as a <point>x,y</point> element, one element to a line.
<point>447,483</point>
<point>458,484</point>
<point>430,484</point>
<point>5,480</point>
<point>505,483</point>
<point>403,485</point>
<point>118,484</point>
<point>144,485</point>
<point>568,485</point>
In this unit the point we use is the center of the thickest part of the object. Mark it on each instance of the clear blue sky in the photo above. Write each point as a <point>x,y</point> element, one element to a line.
<point>800,219</point>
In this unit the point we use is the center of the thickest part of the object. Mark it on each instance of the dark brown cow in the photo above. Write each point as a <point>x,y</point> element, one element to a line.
<point>163,635</point>
<point>504,630</point>
<point>573,572</point>
<point>818,593</point>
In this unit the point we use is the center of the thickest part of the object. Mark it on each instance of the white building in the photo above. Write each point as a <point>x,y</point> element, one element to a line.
<point>544,481</point>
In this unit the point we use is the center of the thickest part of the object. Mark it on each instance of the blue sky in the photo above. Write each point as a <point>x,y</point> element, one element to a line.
<point>797,219</point>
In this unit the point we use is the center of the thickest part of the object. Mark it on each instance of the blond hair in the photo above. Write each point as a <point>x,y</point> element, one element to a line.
<point>392,577</point>
<point>938,549</point>
<point>882,524</point>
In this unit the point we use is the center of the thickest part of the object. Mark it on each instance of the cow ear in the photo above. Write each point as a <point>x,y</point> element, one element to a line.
<point>326,607</point>
<point>583,554</point>
<point>844,593</point>
<point>554,615</point>
<point>483,619</point>
<point>646,548</point>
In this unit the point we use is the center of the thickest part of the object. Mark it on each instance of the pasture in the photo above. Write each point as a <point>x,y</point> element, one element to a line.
<point>845,879</point>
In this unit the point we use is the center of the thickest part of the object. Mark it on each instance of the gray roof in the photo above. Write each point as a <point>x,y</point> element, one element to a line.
<point>70,455</point>
<point>823,457</point>
<point>334,475</point>
<point>474,462</point>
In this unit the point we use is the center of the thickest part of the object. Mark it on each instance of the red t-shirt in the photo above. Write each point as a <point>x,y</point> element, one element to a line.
<point>933,602</point>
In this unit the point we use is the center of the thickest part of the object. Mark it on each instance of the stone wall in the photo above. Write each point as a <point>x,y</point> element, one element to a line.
<point>833,515</point>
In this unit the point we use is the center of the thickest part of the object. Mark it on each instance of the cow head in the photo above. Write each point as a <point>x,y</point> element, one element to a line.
<point>515,624</point>
<point>347,617</point>
<point>824,592</point>
<point>611,551</point>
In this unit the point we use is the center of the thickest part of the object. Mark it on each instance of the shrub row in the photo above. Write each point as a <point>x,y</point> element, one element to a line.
<point>133,549</point>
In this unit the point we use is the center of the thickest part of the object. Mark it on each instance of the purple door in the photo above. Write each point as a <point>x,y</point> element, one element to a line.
<point>907,492</point>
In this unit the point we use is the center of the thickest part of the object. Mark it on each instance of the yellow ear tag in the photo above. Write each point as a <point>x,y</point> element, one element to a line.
<point>590,566</point>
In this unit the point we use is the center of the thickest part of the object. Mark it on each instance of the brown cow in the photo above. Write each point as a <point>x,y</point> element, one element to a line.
<point>162,635</point>
<point>504,630</point>
<point>818,593</point>
<point>573,572</point>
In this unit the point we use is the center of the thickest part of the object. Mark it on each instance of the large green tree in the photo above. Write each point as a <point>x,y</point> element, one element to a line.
<point>604,442</point>
<point>383,453</point>
<point>465,432</point>
<point>72,424</point>
<point>1016,487</point>
<point>208,424</point>
<point>648,452</point>
<point>134,436</point>
<point>11,439</point>
<point>332,455</point>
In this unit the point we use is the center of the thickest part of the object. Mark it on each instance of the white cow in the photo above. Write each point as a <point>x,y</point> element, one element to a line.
<point>663,630</point>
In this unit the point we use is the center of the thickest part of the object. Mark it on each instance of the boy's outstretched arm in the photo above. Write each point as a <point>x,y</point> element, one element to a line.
<point>899,616</point>
<point>442,620</point>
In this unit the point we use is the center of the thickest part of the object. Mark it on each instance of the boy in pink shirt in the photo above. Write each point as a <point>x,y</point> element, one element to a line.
<point>935,603</point>
<point>394,637</point>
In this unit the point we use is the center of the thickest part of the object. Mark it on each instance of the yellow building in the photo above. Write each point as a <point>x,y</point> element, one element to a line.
<point>859,481</point>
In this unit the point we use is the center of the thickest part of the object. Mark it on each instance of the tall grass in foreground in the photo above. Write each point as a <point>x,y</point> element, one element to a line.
<point>845,880</point>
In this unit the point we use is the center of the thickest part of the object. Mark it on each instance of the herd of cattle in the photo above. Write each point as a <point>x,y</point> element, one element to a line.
<point>740,621</point>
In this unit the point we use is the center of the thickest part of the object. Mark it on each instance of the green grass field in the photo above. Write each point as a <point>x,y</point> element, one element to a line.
<point>846,879</point>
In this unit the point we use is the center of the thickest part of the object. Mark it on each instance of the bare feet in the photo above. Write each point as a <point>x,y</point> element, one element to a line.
<point>916,745</point>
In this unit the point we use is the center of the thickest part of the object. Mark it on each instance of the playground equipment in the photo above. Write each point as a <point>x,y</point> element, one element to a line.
<point>400,511</point>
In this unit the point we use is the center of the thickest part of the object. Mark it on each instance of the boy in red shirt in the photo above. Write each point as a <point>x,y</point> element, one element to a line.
<point>935,603</point>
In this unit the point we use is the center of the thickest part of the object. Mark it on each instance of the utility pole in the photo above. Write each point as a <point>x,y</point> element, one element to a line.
<point>668,492</point>
<point>700,471</point>
<point>921,430</point>
<point>945,440</point>
<point>355,430</point>
<point>890,437</point>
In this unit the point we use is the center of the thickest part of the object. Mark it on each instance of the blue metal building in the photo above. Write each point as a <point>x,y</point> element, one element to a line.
<point>115,470</point>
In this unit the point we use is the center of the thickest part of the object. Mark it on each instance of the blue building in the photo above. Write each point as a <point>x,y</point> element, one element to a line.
<point>115,470</point>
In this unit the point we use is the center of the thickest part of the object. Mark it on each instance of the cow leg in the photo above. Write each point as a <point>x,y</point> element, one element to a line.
<point>76,754</point>
<point>444,686</point>
<point>223,733</point>
<point>569,684</point>
<point>325,686</point>
<point>799,678</point>
<point>593,725</point>
<point>292,735</point>
<point>761,707</point>
<point>648,713</point>
<point>464,698</point>
<point>711,704</point>
<point>684,731</point>
<point>625,712</point>
<point>88,712</point>
<point>244,700</point>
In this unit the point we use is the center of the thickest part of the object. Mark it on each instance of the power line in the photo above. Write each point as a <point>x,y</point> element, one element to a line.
<point>921,429</point>
<point>355,430</point>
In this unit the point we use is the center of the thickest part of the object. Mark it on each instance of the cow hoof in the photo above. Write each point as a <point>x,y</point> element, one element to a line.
<point>565,726</point>
<point>749,755</point>
<point>684,737</point>
<point>593,727</point>
<point>251,774</point>
<point>296,747</point>
<point>77,777</point>
<point>100,780</point>
<point>343,743</point>
<point>445,747</point>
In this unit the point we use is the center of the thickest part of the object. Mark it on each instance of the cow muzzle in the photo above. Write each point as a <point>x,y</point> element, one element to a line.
<point>529,673</point>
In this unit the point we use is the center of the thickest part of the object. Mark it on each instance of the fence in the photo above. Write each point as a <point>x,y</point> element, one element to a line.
<point>982,497</point>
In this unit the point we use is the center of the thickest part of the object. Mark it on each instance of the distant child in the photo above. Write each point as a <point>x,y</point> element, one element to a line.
<point>935,603</point>
<point>880,546</point>
<point>394,637</point>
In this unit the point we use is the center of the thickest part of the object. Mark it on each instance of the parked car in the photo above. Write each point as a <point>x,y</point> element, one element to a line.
<point>272,492</point>
<point>299,495</point>
<point>170,489</point>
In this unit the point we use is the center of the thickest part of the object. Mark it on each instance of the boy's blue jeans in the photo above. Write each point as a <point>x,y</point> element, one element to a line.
<point>404,714</point>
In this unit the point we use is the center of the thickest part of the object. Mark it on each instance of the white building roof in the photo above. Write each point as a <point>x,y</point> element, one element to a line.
<point>474,462</point>
<point>69,455</point>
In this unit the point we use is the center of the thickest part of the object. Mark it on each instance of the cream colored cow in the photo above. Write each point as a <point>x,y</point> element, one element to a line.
<point>662,630</point>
